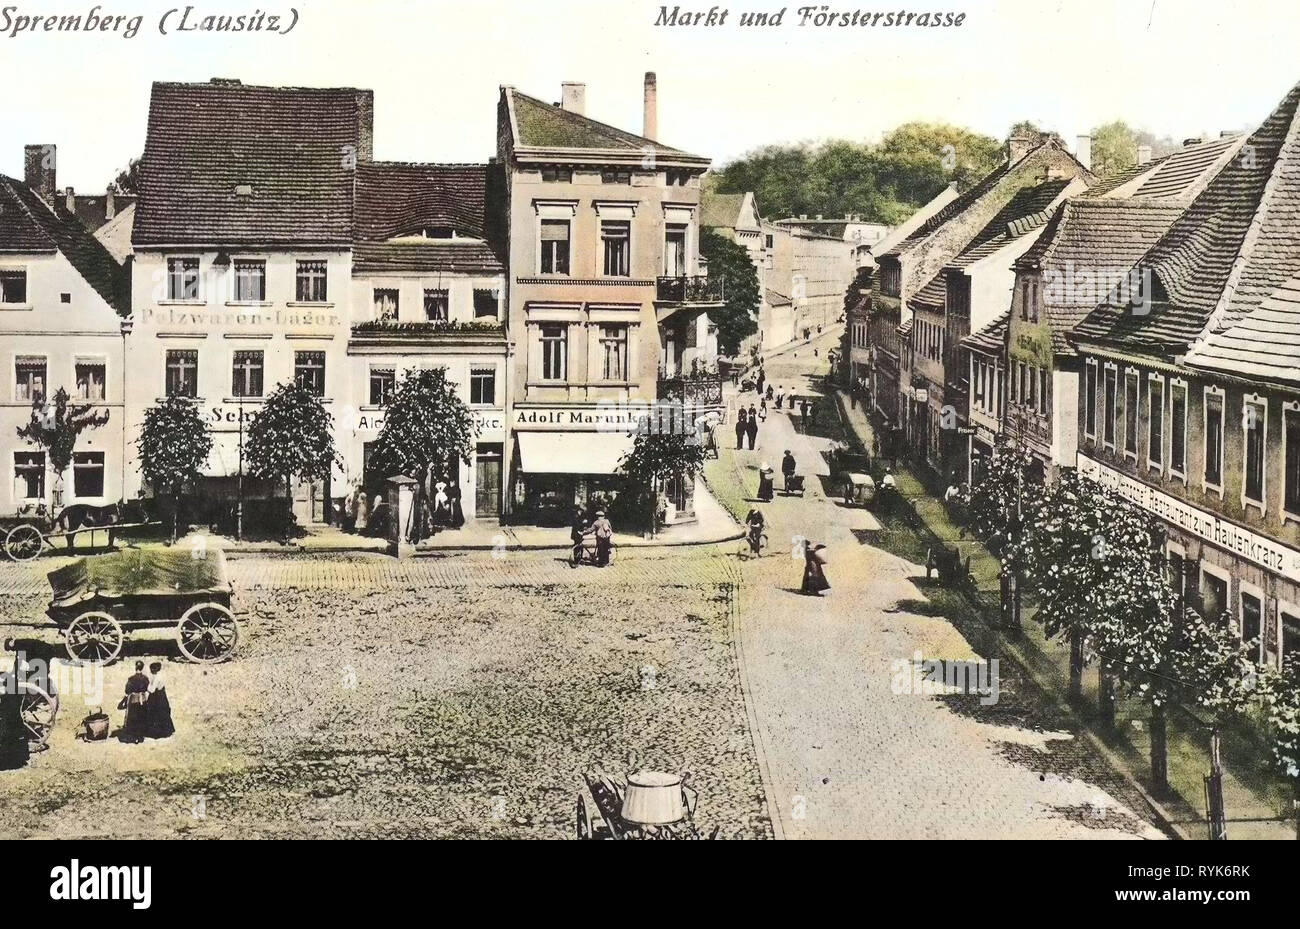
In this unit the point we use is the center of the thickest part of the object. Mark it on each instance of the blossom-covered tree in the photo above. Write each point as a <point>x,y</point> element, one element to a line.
<point>291,437</point>
<point>1279,692</point>
<point>55,426</point>
<point>174,445</point>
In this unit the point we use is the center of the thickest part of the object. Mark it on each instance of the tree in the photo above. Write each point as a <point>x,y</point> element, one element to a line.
<point>55,426</point>
<point>426,427</point>
<point>174,445</point>
<point>128,179</point>
<point>660,456</point>
<point>290,437</point>
<point>1114,148</point>
<point>738,317</point>
<point>1280,694</point>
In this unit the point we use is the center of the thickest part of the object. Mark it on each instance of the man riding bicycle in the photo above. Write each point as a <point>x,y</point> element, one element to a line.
<point>756,524</point>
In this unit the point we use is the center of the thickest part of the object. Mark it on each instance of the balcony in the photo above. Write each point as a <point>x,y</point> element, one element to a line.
<point>693,390</point>
<point>690,291</point>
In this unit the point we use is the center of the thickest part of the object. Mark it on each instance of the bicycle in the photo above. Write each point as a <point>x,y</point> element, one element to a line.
<point>753,547</point>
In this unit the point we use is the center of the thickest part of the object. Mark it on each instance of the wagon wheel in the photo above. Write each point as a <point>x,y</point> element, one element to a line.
<point>38,712</point>
<point>207,633</point>
<point>95,638</point>
<point>24,542</point>
<point>584,819</point>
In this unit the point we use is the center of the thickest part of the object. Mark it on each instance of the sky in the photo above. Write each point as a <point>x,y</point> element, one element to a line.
<point>1181,68</point>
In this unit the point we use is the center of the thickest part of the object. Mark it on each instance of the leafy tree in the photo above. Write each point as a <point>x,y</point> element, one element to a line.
<point>1114,148</point>
<point>658,457</point>
<point>290,437</point>
<point>1280,694</point>
<point>55,426</point>
<point>426,426</point>
<point>174,445</point>
<point>738,317</point>
<point>128,179</point>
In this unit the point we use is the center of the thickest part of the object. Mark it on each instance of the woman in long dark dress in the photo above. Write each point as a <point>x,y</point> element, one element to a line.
<point>814,572</point>
<point>137,693</point>
<point>765,482</point>
<point>158,709</point>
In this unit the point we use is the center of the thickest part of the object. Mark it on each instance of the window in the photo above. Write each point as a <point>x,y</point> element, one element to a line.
<point>1130,412</point>
<point>487,303</point>
<point>1042,391</point>
<point>1291,477</point>
<point>1253,423</point>
<point>246,374</point>
<point>309,371</point>
<point>1090,399</point>
<point>1251,611</point>
<point>1290,636</point>
<point>677,178</point>
<point>1178,429</point>
<point>90,380</point>
<point>1034,399</point>
<point>1155,422</point>
<point>437,306</point>
<point>1213,439</point>
<point>13,287</point>
<point>88,474</point>
<point>29,378</point>
<point>1024,300</point>
<point>250,281</point>
<point>182,278</point>
<point>675,250</point>
<point>613,351</point>
<point>182,373</point>
<point>557,175</point>
<point>615,177</point>
<point>386,306</point>
<point>29,475</point>
<point>311,286</point>
<point>483,385</point>
<point>615,236</point>
<point>1110,407</point>
<point>555,246</point>
<point>555,351</point>
<point>1214,596</point>
<point>383,381</point>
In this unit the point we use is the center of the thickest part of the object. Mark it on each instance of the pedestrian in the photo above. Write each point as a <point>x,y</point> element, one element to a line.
<point>780,397</point>
<point>761,378</point>
<point>768,395</point>
<point>788,468</point>
<point>803,414</point>
<point>441,504</point>
<point>158,709</point>
<point>751,427</point>
<point>765,492</point>
<point>812,414</point>
<point>133,701</point>
<point>814,569</point>
<point>740,428</point>
<point>604,533</point>
<point>762,410</point>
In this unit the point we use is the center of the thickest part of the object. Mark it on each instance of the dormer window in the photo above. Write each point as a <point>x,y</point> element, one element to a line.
<point>243,190</point>
<point>439,232</point>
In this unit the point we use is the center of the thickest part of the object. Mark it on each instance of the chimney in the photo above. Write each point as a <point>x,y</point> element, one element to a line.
<point>38,170</point>
<point>70,200</point>
<point>573,98</point>
<point>1018,147</point>
<point>1197,140</point>
<point>1144,154</point>
<point>365,126</point>
<point>651,127</point>
<point>1083,151</point>
<point>110,202</point>
<point>1227,133</point>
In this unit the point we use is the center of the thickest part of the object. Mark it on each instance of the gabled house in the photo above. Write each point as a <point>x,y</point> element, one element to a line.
<point>736,217</point>
<point>63,299</point>
<point>1191,401</point>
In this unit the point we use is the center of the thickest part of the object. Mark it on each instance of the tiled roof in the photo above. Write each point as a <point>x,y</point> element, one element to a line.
<point>932,296</point>
<point>1182,169</point>
<point>93,210</point>
<point>1112,182</point>
<point>1264,344</point>
<point>720,211</point>
<point>396,199</point>
<point>429,255</point>
<point>776,298</point>
<point>295,147</point>
<point>28,225</point>
<point>544,125</point>
<point>953,208</point>
<point>992,338</point>
<point>1236,244</point>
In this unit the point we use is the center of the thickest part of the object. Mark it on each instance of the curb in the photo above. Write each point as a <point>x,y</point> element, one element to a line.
<point>755,733</point>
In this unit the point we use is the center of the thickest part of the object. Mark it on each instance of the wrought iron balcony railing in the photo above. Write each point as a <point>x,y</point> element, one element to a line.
<point>694,389</point>
<point>695,289</point>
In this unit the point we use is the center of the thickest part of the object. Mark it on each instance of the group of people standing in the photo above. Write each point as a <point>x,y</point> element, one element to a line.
<point>148,711</point>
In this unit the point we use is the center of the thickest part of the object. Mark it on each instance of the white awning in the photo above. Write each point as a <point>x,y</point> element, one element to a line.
<point>572,452</point>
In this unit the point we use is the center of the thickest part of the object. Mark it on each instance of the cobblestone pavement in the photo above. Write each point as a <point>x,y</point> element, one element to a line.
<point>846,755</point>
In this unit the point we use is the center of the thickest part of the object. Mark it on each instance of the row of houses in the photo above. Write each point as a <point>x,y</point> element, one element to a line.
<point>1142,328</point>
<point>558,284</point>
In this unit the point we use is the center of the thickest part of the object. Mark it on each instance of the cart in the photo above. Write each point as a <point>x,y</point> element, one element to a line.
<point>646,805</point>
<point>859,489</point>
<point>27,537</point>
<point>39,705</point>
<point>99,600</point>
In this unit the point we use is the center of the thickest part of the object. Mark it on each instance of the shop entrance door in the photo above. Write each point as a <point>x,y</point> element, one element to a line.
<point>487,488</point>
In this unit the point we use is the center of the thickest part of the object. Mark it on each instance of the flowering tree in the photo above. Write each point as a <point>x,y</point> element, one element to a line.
<point>174,445</point>
<point>55,426</point>
<point>426,426</point>
<point>290,437</point>
<point>1280,694</point>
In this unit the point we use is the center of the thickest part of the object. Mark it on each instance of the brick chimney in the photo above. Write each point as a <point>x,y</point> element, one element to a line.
<point>1083,151</point>
<point>1018,147</point>
<point>365,126</point>
<point>110,202</point>
<point>1144,154</point>
<point>573,98</point>
<point>651,126</point>
<point>70,200</point>
<point>38,170</point>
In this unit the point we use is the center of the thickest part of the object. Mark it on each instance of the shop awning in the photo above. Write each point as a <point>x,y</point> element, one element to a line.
<point>572,452</point>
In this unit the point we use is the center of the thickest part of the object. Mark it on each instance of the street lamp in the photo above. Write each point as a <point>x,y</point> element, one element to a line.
<point>126,324</point>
